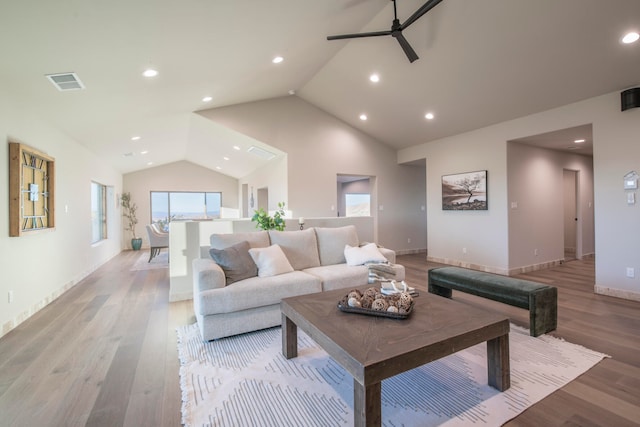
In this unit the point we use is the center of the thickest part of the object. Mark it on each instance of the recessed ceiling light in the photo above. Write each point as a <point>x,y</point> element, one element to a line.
<point>135,138</point>
<point>277,59</point>
<point>235,147</point>
<point>218,167</point>
<point>429,116</point>
<point>292,92</point>
<point>144,152</point>
<point>207,99</point>
<point>578,141</point>
<point>630,37</point>
<point>149,163</point>
<point>150,73</point>
<point>374,78</point>
<point>363,117</point>
<point>226,158</point>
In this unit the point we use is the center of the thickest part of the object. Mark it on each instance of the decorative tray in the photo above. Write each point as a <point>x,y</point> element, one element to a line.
<point>344,306</point>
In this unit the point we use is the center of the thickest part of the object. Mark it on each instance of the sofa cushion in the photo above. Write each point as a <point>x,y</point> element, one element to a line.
<point>300,247</point>
<point>271,261</point>
<point>256,239</point>
<point>340,276</point>
<point>359,255</point>
<point>331,243</point>
<point>257,292</point>
<point>235,261</point>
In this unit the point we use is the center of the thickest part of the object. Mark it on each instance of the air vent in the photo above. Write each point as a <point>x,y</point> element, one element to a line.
<point>65,81</point>
<point>267,155</point>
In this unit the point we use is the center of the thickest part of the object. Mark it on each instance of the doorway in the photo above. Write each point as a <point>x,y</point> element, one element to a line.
<point>570,197</point>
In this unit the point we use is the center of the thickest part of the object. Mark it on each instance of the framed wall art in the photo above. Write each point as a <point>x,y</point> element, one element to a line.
<point>465,191</point>
<point>31,190</point>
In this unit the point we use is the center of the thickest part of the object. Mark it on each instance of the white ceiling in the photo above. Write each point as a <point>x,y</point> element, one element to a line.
<point>481,62</point>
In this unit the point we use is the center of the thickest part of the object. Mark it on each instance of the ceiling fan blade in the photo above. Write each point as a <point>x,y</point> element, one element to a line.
<point>408,50</point>
<point>358,35</point>
<point>430,4</point>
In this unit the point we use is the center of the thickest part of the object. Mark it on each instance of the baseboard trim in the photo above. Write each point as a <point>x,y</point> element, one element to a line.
<point>535,267</point>
<point>180,296</point>
<point>617,293</point>
<point>478,267</point>
<point>411,251</point>
<point>497,270</point>
<point>26,314</point>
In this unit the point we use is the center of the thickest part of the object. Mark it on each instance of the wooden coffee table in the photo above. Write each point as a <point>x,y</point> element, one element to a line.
<point>374,348</point>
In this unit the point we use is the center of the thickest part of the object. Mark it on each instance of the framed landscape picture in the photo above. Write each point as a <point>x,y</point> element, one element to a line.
<point>465,191</point>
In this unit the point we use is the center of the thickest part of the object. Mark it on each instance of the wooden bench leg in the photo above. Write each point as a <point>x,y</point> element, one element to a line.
<point>543,311</point>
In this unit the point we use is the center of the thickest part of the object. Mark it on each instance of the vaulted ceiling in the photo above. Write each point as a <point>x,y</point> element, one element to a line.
<point>481,62</point>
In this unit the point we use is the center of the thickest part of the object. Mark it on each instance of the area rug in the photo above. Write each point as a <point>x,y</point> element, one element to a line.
<point>159,261</point>
<point>245,381</point>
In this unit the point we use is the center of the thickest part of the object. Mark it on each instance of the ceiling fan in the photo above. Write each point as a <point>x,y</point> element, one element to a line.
<point>396,29</point>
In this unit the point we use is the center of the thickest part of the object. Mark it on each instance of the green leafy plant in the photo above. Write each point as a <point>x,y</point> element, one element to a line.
<point>129,212</point>
<point>266,222</point>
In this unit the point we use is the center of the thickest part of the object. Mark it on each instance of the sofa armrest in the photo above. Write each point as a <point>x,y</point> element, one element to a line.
<point>207,275</point>
<point>389,254</point>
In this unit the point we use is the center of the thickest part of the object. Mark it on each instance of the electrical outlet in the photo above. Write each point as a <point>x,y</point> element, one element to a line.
<point>464,250</point>
<point>631,272</point>
<point>535,252</point>
<point>10,297</point>
<point>409,240</point>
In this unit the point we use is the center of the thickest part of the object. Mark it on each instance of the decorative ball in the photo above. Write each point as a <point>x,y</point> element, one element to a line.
<point>392,309</point>
<point>379,304</point>
<point>404,303</point>
<point>370,292</point>
<point>353,302</point>
<point>366,302</point>
<point>405,298</point>
<point>355,294</point>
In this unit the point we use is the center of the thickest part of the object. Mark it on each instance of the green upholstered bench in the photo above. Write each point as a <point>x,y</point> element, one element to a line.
<point>541,300</point>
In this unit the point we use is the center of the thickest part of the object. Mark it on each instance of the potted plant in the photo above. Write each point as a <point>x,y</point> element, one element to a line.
<point>129,212</point>
<point>266,222</point>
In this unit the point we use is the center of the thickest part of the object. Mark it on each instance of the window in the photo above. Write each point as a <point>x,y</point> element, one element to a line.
<point>357,204</point>
<point>167,206</point>
<point>98,212</point>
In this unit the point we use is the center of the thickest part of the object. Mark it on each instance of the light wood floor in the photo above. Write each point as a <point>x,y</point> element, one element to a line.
<point>104,353</point>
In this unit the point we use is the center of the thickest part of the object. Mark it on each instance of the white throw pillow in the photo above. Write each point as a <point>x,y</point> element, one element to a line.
<point>271,261</point>
<point>359,255</point>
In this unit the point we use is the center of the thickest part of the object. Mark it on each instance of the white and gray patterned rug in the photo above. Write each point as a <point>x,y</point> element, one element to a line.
<point>245,381</point>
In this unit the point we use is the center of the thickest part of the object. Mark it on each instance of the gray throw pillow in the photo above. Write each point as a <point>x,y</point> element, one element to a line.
<point>235,261</point>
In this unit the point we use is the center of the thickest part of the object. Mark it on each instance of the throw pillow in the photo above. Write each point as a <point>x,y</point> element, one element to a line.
<point>331,242</point>
<point>235,261</point>
<point>300,247</point>
<point>271,261</point>
<point>363,254</point>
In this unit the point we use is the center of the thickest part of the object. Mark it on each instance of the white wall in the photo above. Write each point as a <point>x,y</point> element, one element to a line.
<point>178,176</point>
<point>39,267</point>
<point>616,152</point>
<point>477,239</point>
<point>272,176</point>
<point>537,224</point>
<point>319,147</point>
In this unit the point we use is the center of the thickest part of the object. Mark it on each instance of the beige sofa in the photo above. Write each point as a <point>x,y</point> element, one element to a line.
<point>317,262</point>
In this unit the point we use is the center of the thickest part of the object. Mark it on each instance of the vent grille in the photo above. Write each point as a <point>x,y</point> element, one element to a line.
<point>267,155</point>
<point>65,81</point>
